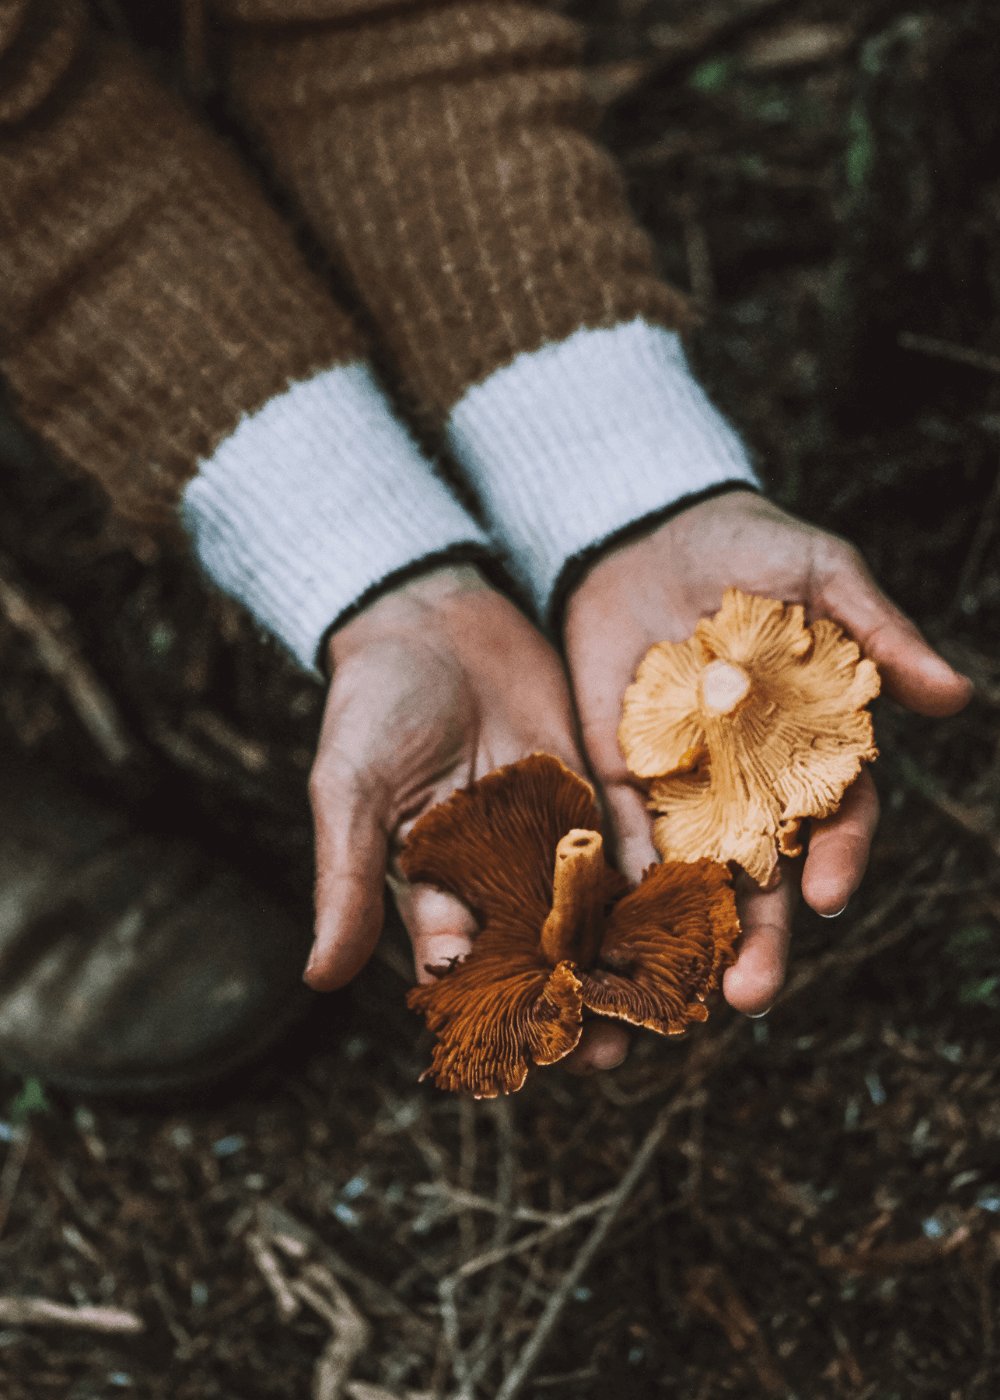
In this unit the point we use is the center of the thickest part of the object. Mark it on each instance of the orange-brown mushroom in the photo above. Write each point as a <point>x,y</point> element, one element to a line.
<point>559,929</point>
<point>753,724</point>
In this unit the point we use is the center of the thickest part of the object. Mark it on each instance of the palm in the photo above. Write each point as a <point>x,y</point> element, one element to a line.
<point>432,688</point>
<point>656,588</point>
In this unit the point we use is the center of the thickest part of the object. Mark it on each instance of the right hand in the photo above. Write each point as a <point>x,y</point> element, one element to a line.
<point>655,587</point>
<point>434,685</point>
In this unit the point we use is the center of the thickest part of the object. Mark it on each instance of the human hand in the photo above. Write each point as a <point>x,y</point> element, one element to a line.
<point>655,588</point>
<point>435,684</point>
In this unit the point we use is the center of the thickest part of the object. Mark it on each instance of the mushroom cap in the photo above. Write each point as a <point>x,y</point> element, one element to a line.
<point>751,725</point>
<point>505,1007</point>
<point>493,845</point>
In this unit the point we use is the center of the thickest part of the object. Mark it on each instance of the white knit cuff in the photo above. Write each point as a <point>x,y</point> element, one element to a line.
<point>571,443</point>
<point>315,499</point>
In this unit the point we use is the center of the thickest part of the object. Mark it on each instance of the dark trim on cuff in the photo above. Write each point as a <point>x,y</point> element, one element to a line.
<point>469,553</point>
<point>576,566</point>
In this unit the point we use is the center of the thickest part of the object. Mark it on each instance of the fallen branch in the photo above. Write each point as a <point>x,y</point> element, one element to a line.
<point>59,655</point>
<point>364,1390</point>
<point>270,1270</point>
<point>515,1379</point>
<point>555,1227</point>
<point>470,1365</point>
<point>456,1200</point>
<point>609,82</point>
<point>946,350</point>
<point>295,1239</point>
<point>39,1312</point>
<point>351,1331</point>
<point>891,1257</point>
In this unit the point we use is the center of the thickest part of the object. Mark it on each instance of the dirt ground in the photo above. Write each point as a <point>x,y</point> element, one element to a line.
<point>806,1205</point>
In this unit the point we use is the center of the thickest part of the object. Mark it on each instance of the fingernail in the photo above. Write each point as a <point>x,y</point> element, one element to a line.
<point>756,1015</point>
<point>836,914</point>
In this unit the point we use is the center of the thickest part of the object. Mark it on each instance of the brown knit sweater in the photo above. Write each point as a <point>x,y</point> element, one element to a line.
<point>151,296</point>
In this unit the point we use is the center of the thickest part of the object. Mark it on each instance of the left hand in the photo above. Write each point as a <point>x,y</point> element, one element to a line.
<point>655,588</point>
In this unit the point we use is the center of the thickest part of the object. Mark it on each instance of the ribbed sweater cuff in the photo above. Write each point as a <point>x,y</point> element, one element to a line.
<point>568,445</point>
<point>313,501</point>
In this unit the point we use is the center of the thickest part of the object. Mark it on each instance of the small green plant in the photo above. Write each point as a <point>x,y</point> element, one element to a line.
<point>714,74</point>
<point>31,1099</point>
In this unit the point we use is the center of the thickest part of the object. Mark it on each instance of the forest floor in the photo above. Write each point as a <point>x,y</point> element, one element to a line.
<point>806,1205</point>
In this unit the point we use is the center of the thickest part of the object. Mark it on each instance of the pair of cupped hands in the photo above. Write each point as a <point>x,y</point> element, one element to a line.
<point>443,679</point>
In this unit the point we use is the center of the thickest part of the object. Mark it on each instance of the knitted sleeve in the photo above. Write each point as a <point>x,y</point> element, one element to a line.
<point>442,151</point>
<point>159,327</point>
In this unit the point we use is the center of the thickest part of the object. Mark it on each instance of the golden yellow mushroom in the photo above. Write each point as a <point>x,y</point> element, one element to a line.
<point>752,725</point>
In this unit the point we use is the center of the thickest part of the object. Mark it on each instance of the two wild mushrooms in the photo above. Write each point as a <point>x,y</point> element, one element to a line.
<point>749,727</point>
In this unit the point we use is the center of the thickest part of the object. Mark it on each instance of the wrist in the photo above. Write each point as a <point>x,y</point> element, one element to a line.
<point>570,445</point>
<point>413,610</point>
<point>319,501</point>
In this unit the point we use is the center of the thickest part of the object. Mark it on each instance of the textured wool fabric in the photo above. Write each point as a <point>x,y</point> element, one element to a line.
<point>313,500</point>
<point>151,296</point>
<point>568,445</point>
<point>442,153</point>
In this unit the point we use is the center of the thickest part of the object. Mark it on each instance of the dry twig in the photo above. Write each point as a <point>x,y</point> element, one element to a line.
<point>53,646</point>
<point>470,1365</point>
<point>351,1331</point>
<point>555,1226</point>
<point>517,1377</point>
<point>467,1174</point>
<point>364,1390</point>
<point>946,350</point>
<point>39,1312</point>
<point>279,1227</point>
<point>270,1270</point>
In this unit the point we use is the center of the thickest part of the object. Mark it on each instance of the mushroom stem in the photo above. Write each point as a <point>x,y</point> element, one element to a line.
<point>573,927</point>
<point>723,686</point>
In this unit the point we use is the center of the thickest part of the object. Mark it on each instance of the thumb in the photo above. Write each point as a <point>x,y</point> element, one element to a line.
<point>350,876</point>
<point>912,672</point>
<point>440,927</point>
<point>631,828</point>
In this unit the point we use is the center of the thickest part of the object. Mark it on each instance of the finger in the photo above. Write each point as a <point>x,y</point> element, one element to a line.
<point>755,978</point>
<point>602,1045</point>
<point>350,876</point>
<point>441,929</point>
<point>838,848</point>
<point>911,671</point>
<point>631,830</point>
